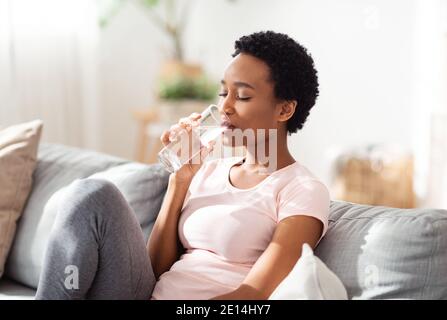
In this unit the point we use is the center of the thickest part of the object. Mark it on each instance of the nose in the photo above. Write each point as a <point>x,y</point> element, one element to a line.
<point>225,108</point>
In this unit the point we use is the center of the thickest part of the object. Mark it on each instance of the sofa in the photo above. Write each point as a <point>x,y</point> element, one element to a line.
<point>377,252</point>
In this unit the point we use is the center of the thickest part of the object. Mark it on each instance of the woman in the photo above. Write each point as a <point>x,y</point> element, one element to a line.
<point>224,230</point>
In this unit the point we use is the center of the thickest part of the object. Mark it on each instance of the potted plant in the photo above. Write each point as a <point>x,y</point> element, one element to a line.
<point>183,87</point>
<point>180,96</point>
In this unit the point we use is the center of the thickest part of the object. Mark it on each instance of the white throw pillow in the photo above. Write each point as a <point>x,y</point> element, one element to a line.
<point>310,279</point>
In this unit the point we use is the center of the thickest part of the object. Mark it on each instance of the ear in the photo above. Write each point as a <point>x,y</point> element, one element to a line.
<point>286,109</point>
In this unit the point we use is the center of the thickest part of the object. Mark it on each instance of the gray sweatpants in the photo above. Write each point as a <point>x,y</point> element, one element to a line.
<point>96,248</point>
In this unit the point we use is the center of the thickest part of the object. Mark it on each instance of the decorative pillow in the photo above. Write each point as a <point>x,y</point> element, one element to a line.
<point>18,157</point>
<point>310,279</point>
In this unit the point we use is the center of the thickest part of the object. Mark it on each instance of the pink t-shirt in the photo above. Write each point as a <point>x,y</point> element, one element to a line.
<point>225,229</point>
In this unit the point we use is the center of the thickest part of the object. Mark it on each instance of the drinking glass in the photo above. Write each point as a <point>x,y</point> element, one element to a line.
<point>187,145</point>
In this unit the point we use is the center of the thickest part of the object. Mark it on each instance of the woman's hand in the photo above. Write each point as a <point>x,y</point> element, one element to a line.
<point>188,170</point>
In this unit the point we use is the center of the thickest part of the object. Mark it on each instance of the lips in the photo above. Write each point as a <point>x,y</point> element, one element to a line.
<point>228,125</point>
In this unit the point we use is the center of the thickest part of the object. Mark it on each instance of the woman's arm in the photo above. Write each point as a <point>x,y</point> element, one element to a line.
<point>164,246</point>
<point>278,259</point>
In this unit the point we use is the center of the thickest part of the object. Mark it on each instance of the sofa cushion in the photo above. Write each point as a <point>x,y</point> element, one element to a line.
<point>58,166</point>
<point>11,290</point>
<point>387,253</point>
<point>18,156</point>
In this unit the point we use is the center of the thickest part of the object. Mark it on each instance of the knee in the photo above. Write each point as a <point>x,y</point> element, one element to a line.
<point>90,197</point>
<point>87,189</point>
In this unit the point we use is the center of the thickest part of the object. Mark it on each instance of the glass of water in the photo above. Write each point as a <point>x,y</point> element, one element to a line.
<point>186,146</point>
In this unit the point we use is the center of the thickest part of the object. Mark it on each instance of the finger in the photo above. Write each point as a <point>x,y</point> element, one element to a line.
<point>190,121</point>
<point>185,121</point>
<point>195,116</point>
<point>174,131</point>
<point>175,127</point>
<point>164,138</point>
<point>205,151</point>
<point>195,123</point>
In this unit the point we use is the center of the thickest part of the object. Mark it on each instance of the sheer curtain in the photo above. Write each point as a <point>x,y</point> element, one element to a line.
<point>48,68</point>
<point>430,103</point>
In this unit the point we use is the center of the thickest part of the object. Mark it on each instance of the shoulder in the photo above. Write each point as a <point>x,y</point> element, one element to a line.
<point>300,177</point>
<point>303,189</point>
<point>303,192</point>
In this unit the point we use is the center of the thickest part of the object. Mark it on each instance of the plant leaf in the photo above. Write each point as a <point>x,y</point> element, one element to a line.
<point>150,3</point>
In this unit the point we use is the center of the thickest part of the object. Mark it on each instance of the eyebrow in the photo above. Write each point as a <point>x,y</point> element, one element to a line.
<point>239,84</point>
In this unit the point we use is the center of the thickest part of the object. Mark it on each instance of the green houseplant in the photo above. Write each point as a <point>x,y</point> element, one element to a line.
<point>183,87</point>
<point>178,88</point>
<point>178,79</point>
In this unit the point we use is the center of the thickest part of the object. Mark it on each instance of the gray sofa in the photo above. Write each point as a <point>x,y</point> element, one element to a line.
<point>378,252</point>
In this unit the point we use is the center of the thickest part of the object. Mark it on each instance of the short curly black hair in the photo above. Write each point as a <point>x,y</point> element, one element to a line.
<point>291,70</point>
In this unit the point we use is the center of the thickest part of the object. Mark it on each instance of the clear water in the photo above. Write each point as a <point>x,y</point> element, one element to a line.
<point>173,157</point>
<point>209,134</point>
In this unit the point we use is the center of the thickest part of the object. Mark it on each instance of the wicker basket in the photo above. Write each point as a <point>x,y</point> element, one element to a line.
<point>375,180</point>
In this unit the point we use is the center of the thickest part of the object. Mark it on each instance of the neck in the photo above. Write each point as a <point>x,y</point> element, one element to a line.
<point>282,154</point>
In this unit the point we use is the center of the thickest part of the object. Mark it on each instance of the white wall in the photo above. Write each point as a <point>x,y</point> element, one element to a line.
<point>362,49</point>
<point>130,54</point>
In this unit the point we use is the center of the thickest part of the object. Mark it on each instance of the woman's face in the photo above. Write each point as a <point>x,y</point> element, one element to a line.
<point>247,97</point>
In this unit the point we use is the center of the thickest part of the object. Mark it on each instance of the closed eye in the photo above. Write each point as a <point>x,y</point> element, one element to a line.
<point>224,94</point>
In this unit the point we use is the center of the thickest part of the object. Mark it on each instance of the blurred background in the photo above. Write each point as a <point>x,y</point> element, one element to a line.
<point>109,75</point>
